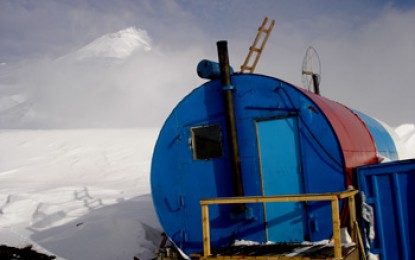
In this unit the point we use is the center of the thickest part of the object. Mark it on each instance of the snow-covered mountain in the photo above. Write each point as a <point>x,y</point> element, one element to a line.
<point>118,45</point>
<point>74,90</point>
<point>117,80</point>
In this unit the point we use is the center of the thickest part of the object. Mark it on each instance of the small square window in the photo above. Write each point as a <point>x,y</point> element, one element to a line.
<point>207,142</point>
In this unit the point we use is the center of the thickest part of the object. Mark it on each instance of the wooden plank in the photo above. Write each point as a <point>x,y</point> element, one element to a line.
<point>206,230</point>
<point>352,218</point>
<point>336,229</point>
<point>281,198</point>
<point>360,242</point>
<point>333,197</point>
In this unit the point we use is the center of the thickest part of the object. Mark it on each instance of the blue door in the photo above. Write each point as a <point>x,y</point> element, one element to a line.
<point>279,156</point>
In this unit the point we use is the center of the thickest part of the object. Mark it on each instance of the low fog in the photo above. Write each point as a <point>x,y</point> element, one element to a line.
<point>51,76</point>
<point>108,87</point>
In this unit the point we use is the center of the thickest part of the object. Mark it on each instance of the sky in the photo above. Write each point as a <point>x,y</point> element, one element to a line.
<point>366,49</point>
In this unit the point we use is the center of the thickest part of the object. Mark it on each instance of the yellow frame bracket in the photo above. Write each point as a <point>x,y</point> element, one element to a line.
<point>334,197</point>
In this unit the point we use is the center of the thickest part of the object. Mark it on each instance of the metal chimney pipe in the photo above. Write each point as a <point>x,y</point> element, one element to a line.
<point>227,92</point>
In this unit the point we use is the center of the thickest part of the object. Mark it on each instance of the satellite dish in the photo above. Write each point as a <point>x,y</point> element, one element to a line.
<point>311,70</point>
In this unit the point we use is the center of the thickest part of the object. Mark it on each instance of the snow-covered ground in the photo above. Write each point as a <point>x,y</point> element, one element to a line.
<point>79,194</point>
<point>85,194</point>
<point>406,134</point>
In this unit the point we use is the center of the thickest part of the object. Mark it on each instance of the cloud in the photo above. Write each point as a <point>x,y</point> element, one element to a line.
<point>139,90</point>
<point>365,49</point>
<point>370,69</point>
<point>38,29</point>
<point>367,67</point>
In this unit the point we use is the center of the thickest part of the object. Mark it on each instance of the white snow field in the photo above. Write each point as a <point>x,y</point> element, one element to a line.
<point>79,194</point>
<point>85,194</point>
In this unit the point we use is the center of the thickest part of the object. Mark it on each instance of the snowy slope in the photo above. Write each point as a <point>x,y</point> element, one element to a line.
<point>79,194</point>
<point>84,194</point>
<point>406,133</point>
<point>118,45</point>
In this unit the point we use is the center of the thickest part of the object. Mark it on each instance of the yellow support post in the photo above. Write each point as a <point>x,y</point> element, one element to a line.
<point>334,197</point>
<point>352,210</point>
<point>336,229</point>
<point>206,230</point>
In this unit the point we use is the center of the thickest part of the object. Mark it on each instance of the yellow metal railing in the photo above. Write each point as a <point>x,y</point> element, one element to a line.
<point>333,197</point>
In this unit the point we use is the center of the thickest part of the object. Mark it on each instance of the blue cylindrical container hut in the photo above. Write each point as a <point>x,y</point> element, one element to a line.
<point>291,141</point>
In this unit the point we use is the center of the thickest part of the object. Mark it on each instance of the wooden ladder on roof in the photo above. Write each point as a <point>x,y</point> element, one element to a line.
<point>260,39</point>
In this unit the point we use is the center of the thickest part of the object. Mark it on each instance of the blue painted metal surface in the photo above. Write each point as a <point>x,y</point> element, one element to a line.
<point>279,154</point>
<point>326,152</point>
<point>385,145</point>
<point>210,70</point>
<point>388,189</point>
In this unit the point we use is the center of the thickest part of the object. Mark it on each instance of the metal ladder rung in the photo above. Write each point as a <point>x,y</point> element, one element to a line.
<point>254,49</point>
